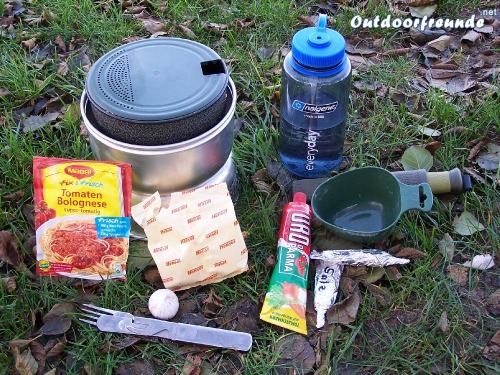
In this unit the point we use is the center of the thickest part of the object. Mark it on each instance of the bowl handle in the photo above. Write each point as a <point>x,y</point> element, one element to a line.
<point>418,197</point>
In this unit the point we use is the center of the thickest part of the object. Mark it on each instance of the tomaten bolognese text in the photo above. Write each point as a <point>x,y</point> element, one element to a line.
<point>82,217</point>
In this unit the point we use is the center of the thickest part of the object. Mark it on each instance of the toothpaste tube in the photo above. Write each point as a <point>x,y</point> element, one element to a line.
<point>285,301</point>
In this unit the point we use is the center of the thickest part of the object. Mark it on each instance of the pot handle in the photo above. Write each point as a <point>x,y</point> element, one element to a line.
<point>418,197</point>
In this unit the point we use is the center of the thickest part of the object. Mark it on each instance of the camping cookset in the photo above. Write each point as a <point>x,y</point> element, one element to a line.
<point>166,106</point>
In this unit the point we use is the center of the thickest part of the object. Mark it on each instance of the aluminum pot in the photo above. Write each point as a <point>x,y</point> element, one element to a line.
<point>157,91</point>
<point>172,167</point>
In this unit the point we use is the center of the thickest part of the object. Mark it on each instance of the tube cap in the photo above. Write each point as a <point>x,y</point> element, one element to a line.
<point>299,197</point>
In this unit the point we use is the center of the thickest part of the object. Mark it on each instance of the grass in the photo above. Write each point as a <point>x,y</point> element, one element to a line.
<point>403,337</point>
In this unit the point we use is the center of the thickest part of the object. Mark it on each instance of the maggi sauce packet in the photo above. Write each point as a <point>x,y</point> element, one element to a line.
<point>82,217</point>
<point>197,240</point>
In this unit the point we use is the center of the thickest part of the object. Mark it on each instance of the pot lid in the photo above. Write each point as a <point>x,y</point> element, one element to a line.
<point>157,79</point>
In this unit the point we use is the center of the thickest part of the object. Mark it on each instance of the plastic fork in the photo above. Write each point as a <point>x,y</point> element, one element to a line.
<point>121,322</point>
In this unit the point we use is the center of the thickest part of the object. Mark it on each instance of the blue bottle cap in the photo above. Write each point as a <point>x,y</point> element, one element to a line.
<point>318,48</point>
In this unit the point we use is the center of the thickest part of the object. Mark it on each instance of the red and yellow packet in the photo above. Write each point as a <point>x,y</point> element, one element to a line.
<point>286,297</point>
<point>82,217</point>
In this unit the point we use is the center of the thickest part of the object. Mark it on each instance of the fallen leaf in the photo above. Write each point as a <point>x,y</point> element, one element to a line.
<point>215,28</point>
<point>259,181</point>
<point>486,29</point>
<point>4,92</point>
<point>381,294</point>
<point>242,24</point>
<point>397,52</point>
<point>373,275</point>
<point>309,20</point>
<point>151,24</point>
<point>458,274</point>
<point>492,352</point>
<point>496,338</point>
<point>55,346</point>
<point>9,283</point>
<point>36,122</point>
<point>423,11</point>
<point>419,3</point>
<point>325,240</point>
<point>212,304</point>
<point>457,130</point>
<point>410,253</point>
<point>429,132</point>
<point>192,365</point>
<point>152,276</point>
<point>359,62</point>
<point>376,88</point>
<point>58,319</point>
<point>447,247</point>
<point>62,68</point>
<point>270,261</point>
<point>266,53</point>
<point>489,160</point>
<point>137,367</point>
<point>444,73</point>
<point>392,273</point>
<point>9,249</point>
<point>471,37</point>
<point>14,197</point>
<point>38,352</point>
<point>118,344</point>
<point>345,312</point>
<point>466,224</point>
<point>356,50</point>
<point>24,361</point>
<point>423,36</point>
<point>443,322</point>
<point>493,303</point>
<point>460,84</point>
<point>59,42</point>
<point>433,146</point>
<point>29,44</point>
<point>47,16</point>
<point>441,43</point>
<point>296,351</point>
<point>399,97</point>
<point>416,157</point>
<point>481,262</point>
<point>479,143</point>
<point>187,32</point>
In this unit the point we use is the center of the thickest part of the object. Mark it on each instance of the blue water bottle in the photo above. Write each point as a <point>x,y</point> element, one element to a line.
<point>315,86</point>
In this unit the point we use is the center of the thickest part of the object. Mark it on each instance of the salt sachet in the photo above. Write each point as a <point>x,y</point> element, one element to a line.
<point>196,240</point>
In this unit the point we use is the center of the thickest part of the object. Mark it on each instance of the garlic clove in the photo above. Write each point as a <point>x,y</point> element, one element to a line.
<point>163,304</point>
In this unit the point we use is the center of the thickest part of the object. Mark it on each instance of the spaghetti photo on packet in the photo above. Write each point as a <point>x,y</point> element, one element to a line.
<point>82,217</point>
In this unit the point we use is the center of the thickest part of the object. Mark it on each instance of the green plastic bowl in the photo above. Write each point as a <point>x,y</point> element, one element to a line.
<point>364,204</point>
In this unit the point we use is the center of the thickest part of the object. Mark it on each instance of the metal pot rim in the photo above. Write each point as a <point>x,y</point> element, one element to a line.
<point>161,149</point>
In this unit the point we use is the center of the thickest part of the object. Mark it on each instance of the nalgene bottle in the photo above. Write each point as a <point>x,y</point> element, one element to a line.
<point>315,88</point>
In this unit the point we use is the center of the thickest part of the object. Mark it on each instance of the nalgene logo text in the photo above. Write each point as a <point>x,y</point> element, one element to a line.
<point>314,108</point>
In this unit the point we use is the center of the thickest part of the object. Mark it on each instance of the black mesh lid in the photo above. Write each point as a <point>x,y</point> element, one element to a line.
<point>156,79</point>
